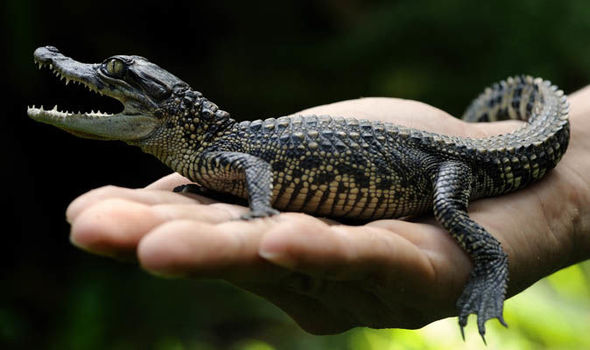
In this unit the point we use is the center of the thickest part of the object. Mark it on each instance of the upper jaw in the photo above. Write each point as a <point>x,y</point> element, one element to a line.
<point>68,69</point>
<point>128,125</point>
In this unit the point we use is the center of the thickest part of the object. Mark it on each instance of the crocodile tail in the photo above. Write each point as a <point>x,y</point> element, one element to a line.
<point>513,98</point>
<point>542,105</point>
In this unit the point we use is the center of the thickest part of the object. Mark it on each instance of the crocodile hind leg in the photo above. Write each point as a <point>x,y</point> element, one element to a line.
<point>485,290</point>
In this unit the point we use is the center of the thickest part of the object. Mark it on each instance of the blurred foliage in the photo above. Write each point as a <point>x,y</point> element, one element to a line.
<point>106,309</point>
<point>255,59</point>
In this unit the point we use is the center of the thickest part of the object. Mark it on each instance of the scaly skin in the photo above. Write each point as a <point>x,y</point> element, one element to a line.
<point>328,166</point>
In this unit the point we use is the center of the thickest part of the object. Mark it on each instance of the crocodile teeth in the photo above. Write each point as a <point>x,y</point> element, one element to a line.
<point>67,80</point>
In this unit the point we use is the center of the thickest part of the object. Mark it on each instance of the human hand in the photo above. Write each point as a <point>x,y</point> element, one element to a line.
<point>331,277</point>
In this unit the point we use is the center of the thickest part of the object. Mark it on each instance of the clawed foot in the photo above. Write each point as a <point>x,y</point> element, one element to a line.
<point>190,188</point>
<point>484,294</point>
<point>260,213</point>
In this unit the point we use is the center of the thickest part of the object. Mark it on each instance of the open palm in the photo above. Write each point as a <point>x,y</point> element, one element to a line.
<point>330,277</point>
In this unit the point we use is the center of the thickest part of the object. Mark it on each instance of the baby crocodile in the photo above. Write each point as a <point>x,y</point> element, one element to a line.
<point>329,166</point>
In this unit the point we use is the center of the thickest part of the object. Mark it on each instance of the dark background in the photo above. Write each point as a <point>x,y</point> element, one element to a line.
<point>254,59</point>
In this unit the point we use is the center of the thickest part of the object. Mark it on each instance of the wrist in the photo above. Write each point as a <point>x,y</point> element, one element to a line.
<point>578,173</point>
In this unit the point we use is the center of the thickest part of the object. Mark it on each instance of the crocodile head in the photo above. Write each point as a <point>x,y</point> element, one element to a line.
<point>141,86</point>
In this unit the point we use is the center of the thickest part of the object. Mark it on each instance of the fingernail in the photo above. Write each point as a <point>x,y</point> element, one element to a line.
<point>273,249</point>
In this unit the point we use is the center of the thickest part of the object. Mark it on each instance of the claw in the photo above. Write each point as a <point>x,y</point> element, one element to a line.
<point>484,295</point>
<point>254,214</point>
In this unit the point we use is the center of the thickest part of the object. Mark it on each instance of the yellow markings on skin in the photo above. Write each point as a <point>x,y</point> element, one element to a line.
<point>313,203</point>
<point>512,113</point>
<point>286,196</point>
<point>275,190</point>
<point>356,211</point>
<point>333,186</point>
<point>328,202</point>
<point>339,207</point>
<point>372,204</point>
<point>380,209</point>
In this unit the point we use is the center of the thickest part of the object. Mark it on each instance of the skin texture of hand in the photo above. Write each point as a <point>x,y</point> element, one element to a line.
<point>331,277</point>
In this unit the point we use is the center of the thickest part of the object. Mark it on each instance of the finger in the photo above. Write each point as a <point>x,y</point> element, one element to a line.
<point>345,252</point>
<point>228,250</point>
<point>451,264</point>
<point>113,227</point>
<point>169,182</point>
<point>148,197</point>
<point>198,249</point>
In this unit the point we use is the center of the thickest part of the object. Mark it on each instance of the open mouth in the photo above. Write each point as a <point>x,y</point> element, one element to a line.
<point>41,114</point>
<point>131,124</point>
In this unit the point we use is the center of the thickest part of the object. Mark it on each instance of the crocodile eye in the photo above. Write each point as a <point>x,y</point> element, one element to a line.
<point>115,67</point>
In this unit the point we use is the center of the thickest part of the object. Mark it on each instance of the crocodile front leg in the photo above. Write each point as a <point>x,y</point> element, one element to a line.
<point>225,170</point>
<point>486,288</point>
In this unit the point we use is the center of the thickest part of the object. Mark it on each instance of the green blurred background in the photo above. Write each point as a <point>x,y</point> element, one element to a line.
<point>255,59</point>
